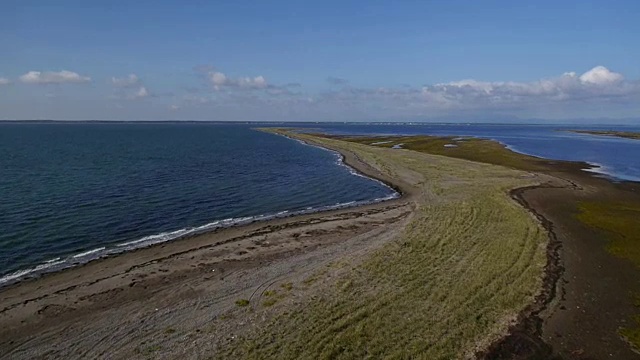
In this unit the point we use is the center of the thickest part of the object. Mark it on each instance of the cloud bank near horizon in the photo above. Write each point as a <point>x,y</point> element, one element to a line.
<point>598,83</point>
<point>223,97</point>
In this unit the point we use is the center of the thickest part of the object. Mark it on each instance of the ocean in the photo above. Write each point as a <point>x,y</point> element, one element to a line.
<point>73,192</point>
<point>76,192</point>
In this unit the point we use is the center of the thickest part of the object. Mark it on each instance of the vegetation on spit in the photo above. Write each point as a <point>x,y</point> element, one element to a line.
<point>469,260</point>
<point>468,148</point>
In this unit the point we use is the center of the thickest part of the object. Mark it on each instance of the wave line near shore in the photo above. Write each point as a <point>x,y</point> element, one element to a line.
<point>65,262</point>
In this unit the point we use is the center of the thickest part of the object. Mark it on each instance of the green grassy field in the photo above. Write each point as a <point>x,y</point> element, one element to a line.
<point>474,149</point>
<point>467,263</point>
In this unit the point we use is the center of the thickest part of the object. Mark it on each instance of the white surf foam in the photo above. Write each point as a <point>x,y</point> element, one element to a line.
<point>20,274</point>
<point>89,252</point>
<point>598,169</point>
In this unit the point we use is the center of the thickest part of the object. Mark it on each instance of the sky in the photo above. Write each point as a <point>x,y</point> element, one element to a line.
<point>448,60</point>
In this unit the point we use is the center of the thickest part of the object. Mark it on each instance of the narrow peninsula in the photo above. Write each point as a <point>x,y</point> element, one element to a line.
<point>465,264</point>
<point>622,134</point>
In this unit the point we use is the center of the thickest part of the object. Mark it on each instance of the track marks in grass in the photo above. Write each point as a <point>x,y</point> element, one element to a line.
<point>460,272</point>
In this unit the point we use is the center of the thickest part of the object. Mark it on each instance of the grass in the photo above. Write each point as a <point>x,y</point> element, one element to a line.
<point>287,286</point>
<point>474,149</point>
<point>242,302</point>
<point>468,262</point>
<point>619,223</point>
<point>270,302</point>
<point>272,297</point>
<point>632,334</point>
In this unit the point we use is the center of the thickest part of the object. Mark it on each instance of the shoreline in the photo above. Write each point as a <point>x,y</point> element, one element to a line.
<point>526,333</point>
<point>65,262</point>
<point>163,266</point>
<point>591,310</point>
<point>347,159</point>
<point>114,282</point>
<point>548,281</point>
<point>587,166</point>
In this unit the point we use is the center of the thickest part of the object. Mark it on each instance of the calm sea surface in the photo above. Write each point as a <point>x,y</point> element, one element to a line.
<point>75,192</point>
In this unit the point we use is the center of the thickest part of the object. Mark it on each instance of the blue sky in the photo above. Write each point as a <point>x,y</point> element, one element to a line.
<point>320,61</point>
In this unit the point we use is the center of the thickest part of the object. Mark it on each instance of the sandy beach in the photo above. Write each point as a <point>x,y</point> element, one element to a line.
<point>80,312</point>
<point>473,259</point>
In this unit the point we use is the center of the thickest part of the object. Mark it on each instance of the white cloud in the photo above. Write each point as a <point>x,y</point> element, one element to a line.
<point>174,107</point>
<point>4,81</point>
<point>220,80</point>
<point>141,93</point>
<point>52,77</point>
<point>258,82</point>
<point>598,89</point>
<point>130,80</point>
<point>598,82</point>
<point>600,75</point>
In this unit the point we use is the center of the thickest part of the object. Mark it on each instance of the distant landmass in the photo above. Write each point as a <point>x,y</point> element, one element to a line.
<point>622,134</point>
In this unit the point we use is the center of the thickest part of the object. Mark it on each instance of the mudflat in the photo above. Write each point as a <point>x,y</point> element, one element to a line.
<point>476,259</point>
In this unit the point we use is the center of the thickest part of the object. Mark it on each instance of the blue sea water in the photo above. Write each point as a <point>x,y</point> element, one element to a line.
<point>74,192</point>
